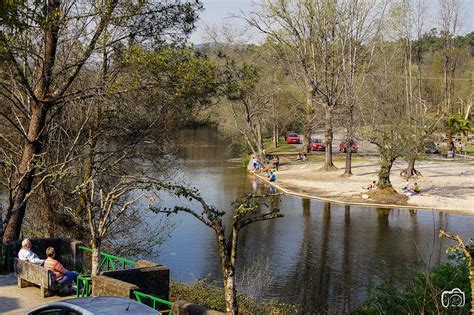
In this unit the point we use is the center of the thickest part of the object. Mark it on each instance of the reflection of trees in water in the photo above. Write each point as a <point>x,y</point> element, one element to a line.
<point>346,280</point>
<point>258,240</point>
<point>311,275</point>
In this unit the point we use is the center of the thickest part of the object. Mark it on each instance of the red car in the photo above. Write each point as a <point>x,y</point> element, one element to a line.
<point>293,138</point>
<point>342,147</point>
<point>317,145</point>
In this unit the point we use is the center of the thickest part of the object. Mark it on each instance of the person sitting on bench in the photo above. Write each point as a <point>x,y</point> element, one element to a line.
<point>61,274</point>
<point>27,254</point>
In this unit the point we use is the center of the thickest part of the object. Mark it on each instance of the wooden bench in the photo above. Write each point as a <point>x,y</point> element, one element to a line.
<point>29,274</point>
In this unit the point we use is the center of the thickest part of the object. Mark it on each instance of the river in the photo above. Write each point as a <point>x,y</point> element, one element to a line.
<point>321,256</point>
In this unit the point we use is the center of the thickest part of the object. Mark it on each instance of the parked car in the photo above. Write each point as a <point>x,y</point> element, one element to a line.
<point>293,138</point>
<point>317,145</point>
<point>342,147</point>
<point>431,148</point>
<point>100,305</point>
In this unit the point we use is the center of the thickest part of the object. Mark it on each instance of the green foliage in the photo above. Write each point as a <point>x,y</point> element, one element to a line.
<point>175,75</point>
<point>212,297</point>
<point>456,123</point>
<point>422,293</point>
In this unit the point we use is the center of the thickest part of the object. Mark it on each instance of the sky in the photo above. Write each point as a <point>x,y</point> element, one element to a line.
<point>218,13</point>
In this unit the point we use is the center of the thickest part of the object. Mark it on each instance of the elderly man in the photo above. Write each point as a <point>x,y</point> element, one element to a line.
<point>61,274</point>
<point>27,254</point>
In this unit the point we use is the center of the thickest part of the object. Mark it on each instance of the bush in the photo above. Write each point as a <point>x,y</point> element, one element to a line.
<point>212,297</point>
<point>422,294</point>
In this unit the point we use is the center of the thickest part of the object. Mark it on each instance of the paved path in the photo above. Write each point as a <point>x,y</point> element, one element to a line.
<point>14,300</point>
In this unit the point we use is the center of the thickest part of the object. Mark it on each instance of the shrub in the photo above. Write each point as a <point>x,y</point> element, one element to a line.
<point>422,294</point>
<point>212,296</point>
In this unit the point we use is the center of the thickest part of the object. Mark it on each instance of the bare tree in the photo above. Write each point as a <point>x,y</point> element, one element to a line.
<point>306,35</point>
<point>450,19</point>
<point>385,110</point>
<point>361,23</point>
<point>246,212</point>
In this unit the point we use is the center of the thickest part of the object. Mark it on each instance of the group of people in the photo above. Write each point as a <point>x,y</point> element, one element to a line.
<point>61,274</point>
<point>301,157</point>
<point>457,148</point>
<point>409,190</point>
<point>269,166</point>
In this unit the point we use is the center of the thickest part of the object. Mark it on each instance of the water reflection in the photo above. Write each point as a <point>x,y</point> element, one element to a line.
<point>323,256</point>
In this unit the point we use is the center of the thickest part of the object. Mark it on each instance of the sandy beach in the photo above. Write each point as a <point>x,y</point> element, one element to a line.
<point>446,185</point>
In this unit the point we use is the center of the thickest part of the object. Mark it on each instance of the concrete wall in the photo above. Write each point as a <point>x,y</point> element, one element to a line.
<point>151,280</point>
<point>106,286</point>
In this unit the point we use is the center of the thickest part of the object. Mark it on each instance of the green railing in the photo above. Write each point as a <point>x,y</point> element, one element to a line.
<point>142,297</point>
<point>110,261</point>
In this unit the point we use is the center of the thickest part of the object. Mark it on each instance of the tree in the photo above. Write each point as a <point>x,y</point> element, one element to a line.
<point>247,102</point>
<point>246,212</point>
<point>421,121</point>
<point>450,19</point>
<point>359,29</point>
<point>108,204</point>
<point>385,113</point>
<point>306,37</point>
<point>455,124</point>
<point>45,61</point>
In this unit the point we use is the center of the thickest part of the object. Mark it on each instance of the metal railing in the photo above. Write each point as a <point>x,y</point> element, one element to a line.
<point>110,261</point>
<point>141,297</point>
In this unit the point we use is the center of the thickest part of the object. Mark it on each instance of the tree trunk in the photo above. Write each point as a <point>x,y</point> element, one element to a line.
<point>348,168</point>
<point>229,291</point>
<point>47,213</point>
<point>275,136</point>
<point>95,257</point>
<point>24,176</point>
<point>384,173</point>
<point>306,147</point>
<point>410,170</point>
<point>328,165</point>
<point>308,125</point>
<point>228,270</point>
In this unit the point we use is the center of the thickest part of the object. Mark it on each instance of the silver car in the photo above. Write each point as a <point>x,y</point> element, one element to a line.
<point>94,306</point>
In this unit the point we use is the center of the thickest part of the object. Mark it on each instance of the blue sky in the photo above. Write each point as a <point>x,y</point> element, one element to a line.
<point>217,12</point>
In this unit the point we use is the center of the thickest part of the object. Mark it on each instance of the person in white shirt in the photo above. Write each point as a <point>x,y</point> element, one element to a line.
<point>27,254</point>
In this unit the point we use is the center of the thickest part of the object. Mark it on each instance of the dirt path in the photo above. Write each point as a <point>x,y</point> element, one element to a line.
<point>14,300</point>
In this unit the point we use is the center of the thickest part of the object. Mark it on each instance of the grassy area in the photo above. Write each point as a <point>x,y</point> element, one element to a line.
<point>469,149</point>
<point>282,146</point>
<point>212,296</point>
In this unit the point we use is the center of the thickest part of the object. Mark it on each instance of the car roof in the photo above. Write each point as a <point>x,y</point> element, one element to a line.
<point>102,305</point>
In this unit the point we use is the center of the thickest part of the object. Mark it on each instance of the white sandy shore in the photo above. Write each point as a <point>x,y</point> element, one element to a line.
<point>446,185</point>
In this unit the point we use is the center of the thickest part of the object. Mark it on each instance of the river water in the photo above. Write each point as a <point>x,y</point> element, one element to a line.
<point>320,256</point>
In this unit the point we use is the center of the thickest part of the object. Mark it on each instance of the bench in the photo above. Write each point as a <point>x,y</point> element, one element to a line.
<point>29,274</point>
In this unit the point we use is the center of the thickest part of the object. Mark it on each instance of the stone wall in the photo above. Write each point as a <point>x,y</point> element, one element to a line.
<point>153,280</point>
<point>106,286</point>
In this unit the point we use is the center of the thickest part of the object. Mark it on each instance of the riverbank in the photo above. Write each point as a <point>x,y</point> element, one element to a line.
<point>446,185</point>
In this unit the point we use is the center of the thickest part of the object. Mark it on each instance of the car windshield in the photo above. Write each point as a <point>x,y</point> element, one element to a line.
<point>292,135</point>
